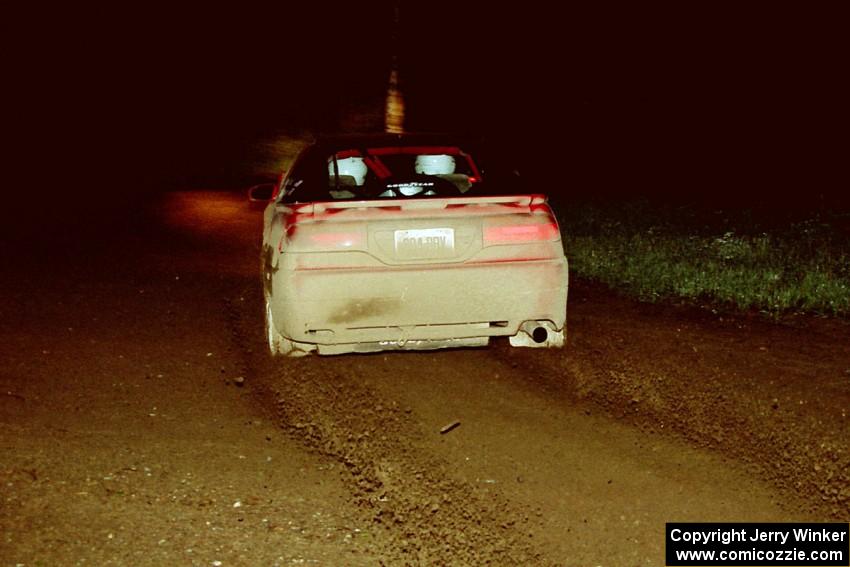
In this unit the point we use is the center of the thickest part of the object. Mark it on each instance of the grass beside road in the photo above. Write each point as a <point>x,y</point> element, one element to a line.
<point>776,264</point>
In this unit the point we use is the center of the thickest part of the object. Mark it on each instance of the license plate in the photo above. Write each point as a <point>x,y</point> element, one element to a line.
<point>425,242</point>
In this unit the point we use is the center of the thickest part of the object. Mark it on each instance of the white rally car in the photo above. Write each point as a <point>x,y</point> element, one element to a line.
<point>392,242</point>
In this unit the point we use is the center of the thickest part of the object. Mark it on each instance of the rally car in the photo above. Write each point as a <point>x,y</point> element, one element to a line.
<point>408,242</point>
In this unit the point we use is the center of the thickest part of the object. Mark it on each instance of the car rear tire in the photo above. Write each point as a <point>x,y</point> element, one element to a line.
<point>278,344</point>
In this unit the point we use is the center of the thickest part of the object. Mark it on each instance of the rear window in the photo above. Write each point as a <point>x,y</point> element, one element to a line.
<point>392,172</point>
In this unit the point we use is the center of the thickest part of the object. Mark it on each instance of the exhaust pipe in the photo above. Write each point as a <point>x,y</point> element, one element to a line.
<point>540,335</point>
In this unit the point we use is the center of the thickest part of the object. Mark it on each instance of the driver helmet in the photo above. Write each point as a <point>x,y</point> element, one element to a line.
<point>437,164</point>
<point>352,166</point>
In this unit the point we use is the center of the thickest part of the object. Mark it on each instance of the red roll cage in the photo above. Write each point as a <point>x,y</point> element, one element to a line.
<point>372,159</point>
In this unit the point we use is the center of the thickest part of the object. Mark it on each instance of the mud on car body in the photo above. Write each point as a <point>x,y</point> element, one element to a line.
<point>394,242</point>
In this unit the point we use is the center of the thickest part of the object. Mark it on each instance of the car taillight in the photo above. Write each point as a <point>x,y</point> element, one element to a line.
<point>520,233</point>
<point>309,241</point>
<point>337,239</point>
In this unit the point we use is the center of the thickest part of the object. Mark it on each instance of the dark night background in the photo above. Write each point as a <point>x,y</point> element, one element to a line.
<point>728,105</point>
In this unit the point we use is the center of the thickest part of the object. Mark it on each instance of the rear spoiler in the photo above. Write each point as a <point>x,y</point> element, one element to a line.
<point>430,203</point>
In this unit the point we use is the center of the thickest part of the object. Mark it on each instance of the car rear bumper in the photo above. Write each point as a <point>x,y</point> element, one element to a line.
<point>414,307</point>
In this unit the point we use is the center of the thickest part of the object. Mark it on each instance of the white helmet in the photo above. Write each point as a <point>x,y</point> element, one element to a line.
<point>439,164</point>
<point>352,166</point>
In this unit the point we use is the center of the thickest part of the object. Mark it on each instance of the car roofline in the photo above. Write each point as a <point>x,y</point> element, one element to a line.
<point>337,142</point>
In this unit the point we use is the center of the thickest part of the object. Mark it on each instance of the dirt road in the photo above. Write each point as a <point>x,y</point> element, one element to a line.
<point>142,423</point>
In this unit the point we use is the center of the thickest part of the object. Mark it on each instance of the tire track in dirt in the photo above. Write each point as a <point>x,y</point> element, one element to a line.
<point>419,513</point>
<point>773,397</point>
